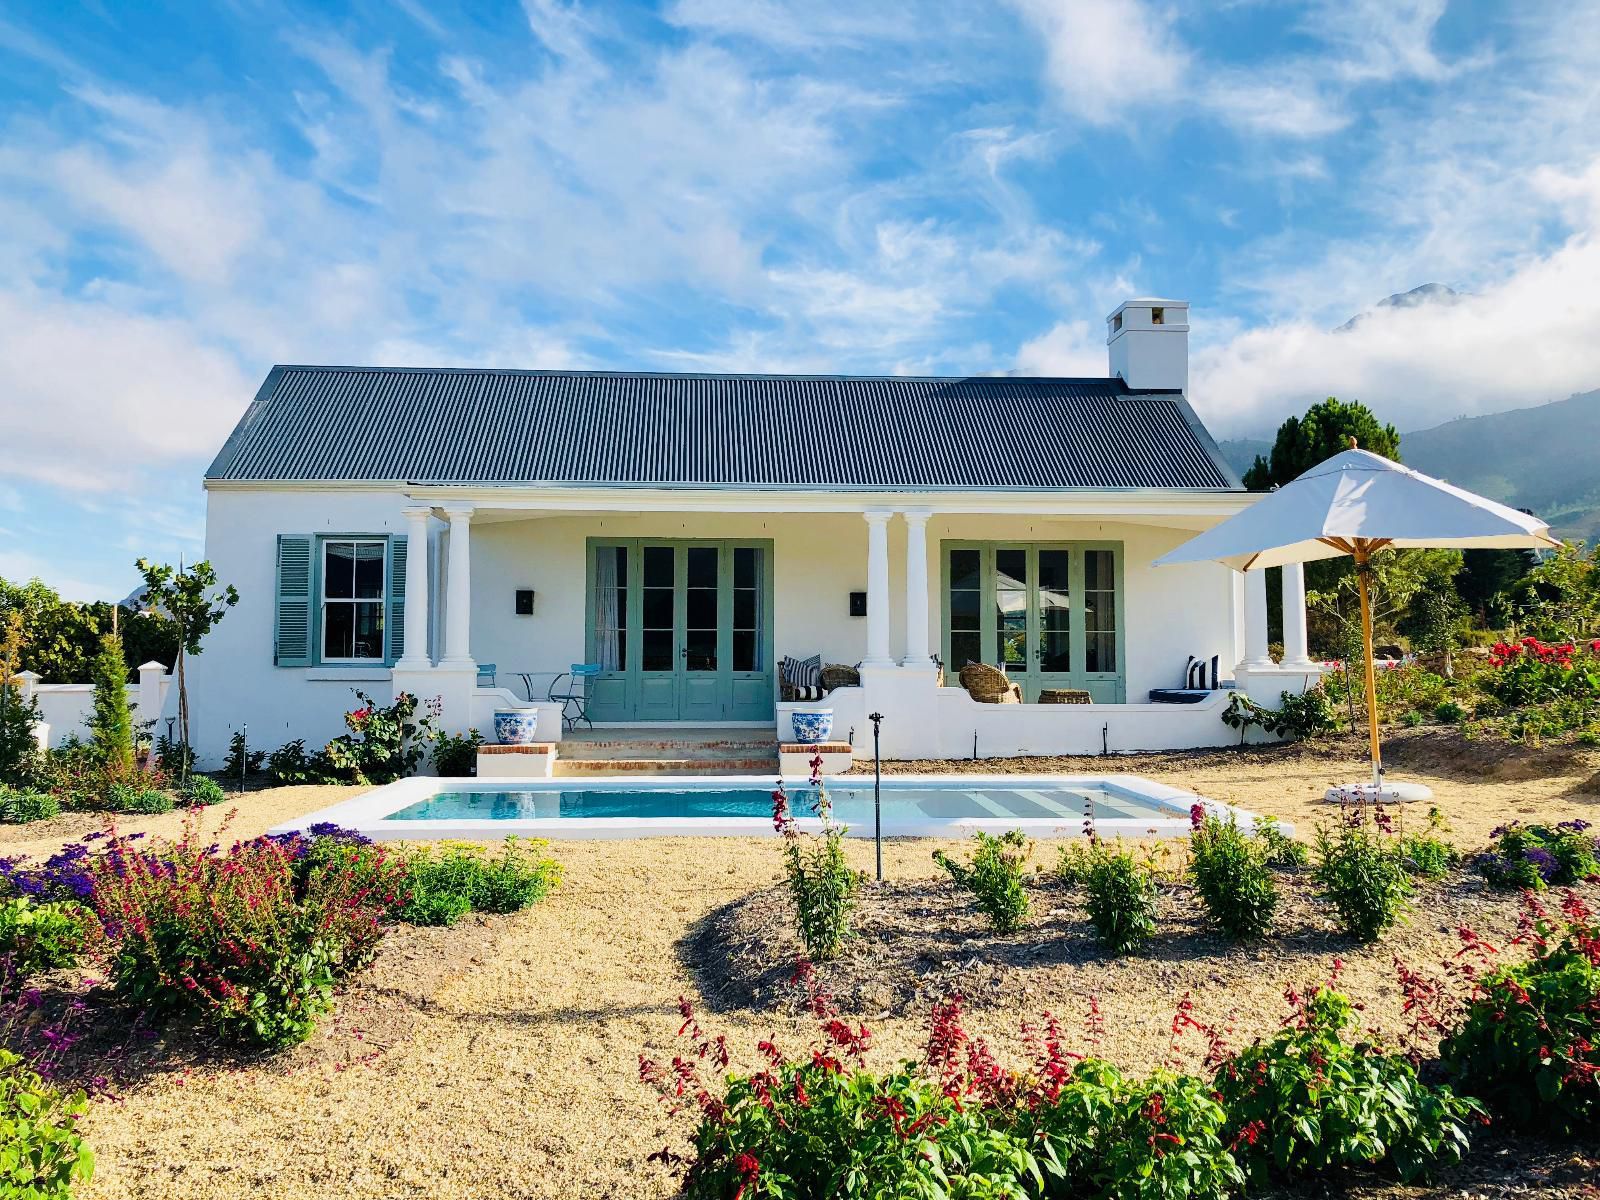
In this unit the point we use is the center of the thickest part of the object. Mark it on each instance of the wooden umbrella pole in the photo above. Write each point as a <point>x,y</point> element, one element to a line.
<point>1363,558</point>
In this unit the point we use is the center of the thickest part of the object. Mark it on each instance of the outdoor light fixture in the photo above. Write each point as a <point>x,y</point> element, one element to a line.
<point>858,604</point>
<point>524,602</point>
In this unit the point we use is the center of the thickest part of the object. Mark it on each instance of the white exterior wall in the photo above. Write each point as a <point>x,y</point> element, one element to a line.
<point>819,558</point>
<point>65,708</point>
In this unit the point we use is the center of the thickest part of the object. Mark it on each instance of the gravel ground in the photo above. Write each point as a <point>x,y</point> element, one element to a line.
<point>499,1058</point>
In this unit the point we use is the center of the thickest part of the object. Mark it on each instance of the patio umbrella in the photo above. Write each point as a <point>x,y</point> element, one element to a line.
<point>1358,503</point>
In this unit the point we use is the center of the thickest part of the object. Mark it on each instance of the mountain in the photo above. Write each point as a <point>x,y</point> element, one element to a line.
<point>1428,293</point>
<point>1542,459</point>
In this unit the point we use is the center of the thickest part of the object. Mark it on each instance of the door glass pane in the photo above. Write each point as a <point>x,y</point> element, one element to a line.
<point>966,608</point>
<point>747,605</point>
<point>1011,608</point>
<point>658,616</point>
<point>1100,610</point>
<point>700,626</point>
<point>1055,611</point>
<point>611,607</point>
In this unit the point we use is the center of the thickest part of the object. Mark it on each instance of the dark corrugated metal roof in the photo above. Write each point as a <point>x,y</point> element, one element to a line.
<point>595,427</point>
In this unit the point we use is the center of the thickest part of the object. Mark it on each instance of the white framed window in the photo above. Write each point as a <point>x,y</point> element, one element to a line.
<point>353,590</point>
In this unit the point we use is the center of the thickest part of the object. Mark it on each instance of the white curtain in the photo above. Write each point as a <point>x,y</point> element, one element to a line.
<point>606,632</point>
<point>759,663</point>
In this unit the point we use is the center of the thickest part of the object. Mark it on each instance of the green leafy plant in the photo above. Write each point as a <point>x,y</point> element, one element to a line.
<point>201,792</point>
<point>1282,851</point>
<point>175,757</point>
<point>384,743</point>
<point>1528,1043</point>
<point>456,756</point>
<point>1121,900</point>
<point>1307,1101</point>
<point>821,884</point>
<point>1450,712</point>
<point>1231,874</point>
<point>994,877</point>
<point>37,936</point>
<point>241,761</point>
<point>136,798</point>
<point>1533,857</point>
<point>19,745</point>
<point>20,806</point>
<point>1362,877</point>
<point>42,1156</point>
<point>290,764</point>
<point>1299,715</point>
<point>443,882</point>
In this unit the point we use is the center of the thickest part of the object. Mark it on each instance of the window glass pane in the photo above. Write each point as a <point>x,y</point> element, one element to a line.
<point>1011,568</point>
<point>1011,608</point>
<point>338,570</point>
<point>656,652</point>
<point>702,608</point>
<point>702,647</point>
<point>368,630</point>
<point>369,570</point>
<point>702,566</point>
<point>1100,611</point>
<point>746,565</point>
<point>1097,569</point>
<point>1057,651</point>
<point>964,608</point>
<point>338,630</point>
<point>658,565</point>
<point>1100,652</point>
<point>1053,566</point>
<point>964,648</point>
<point>744,650</point>
<point>744,608</point>
<point>965,569</point>
<point>657,608</point>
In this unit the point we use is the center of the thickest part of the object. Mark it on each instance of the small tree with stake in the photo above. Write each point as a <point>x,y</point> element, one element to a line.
<point>194,601</point>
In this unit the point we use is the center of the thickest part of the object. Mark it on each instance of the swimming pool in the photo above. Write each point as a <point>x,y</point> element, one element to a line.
<point>912,805</point>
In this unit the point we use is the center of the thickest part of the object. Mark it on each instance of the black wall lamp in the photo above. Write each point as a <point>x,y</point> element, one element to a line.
<point>524,602</point>
<point>858,604</point>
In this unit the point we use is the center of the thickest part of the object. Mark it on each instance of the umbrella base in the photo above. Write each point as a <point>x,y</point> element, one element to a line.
<point>1392,793</point>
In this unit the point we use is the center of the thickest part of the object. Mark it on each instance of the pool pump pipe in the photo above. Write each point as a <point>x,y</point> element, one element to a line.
<point>877,792</point>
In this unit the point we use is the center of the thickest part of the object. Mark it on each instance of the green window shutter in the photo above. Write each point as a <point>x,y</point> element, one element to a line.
<point>394,614</point>
<point>292,628</point>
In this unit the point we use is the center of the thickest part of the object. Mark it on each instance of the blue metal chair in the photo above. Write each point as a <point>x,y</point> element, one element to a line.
<point>574,698</point>
<point>486,675</point>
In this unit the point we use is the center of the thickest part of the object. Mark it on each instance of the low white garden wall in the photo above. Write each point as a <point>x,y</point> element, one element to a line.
<point>64,708</point>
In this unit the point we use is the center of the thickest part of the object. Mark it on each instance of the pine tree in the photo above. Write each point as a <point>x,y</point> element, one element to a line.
<point>111,726</point>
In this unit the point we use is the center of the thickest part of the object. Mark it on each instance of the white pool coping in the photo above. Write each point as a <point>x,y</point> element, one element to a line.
<point>369,813</point>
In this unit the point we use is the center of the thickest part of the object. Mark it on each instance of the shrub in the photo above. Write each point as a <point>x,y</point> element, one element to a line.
<point>1533,857</point>
<point>37,936</point>
<point>1305,1100</point>
<point>441,884</point>
<point>241,761</point>
<point>821,884</point>
<point>1450,713</point>
<point>1299,715</point>
<point>201,792</point>
<point>289,764</point>
<point>175,757</point>
<point>1122,899</point>
<point>457,756</point>
<point>1363,879</point>
<point>1529,1041</point>
<point>1534,672</point>
<point>1426,854</point>
<point>994,877</point>
<point>237,936</point>
<point>21,807</point>
<point>384,742</point>
<point>1281,850</point>
<point>41,1155</point>
<point>1231,874</point>
<point>111,724</point>
<point>135,798</point>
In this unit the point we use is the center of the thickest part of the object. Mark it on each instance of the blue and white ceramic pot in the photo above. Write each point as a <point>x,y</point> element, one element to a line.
<point>516,727</point>
<point>813,727</point>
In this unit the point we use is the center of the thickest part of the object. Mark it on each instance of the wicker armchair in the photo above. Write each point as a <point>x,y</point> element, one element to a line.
<point>838,675</point>
<point>989,685</point>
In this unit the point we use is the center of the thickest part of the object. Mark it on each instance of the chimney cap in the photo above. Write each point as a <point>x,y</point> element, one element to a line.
<point>1148,302</point>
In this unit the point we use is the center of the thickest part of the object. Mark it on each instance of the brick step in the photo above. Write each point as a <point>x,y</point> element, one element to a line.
<point>590,751</point>
<point>568,767</point>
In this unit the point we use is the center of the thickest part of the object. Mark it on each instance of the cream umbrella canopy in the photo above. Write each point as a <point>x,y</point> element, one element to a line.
<point>1358,503</point>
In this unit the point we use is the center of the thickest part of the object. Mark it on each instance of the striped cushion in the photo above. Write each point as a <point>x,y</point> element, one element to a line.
<point>804,676</point>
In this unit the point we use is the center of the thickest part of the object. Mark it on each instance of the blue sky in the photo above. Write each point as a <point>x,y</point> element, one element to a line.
<point>190,193</point>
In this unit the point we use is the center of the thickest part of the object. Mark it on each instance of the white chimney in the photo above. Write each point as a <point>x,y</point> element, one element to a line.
<point>1148,342</point>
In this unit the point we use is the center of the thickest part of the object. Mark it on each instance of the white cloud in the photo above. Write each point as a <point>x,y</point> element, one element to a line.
<point>1107,59</point>
<point>1069,348</point>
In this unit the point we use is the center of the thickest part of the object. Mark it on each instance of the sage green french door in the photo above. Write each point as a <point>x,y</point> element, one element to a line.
<point>1049,613</point>
<point>682,630</point>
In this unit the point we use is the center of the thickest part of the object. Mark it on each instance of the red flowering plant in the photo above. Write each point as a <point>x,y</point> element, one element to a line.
<point>1535,672</point>
<point>1528,1037</point>
<point>385,742</point>
<point>253,937</point>
<point>822,885</point>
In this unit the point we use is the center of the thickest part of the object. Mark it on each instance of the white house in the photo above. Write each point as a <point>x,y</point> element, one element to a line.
<point>402,529</point>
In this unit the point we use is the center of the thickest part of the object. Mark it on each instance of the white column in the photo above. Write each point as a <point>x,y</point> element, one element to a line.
<point>152,692</point>
<point>878,587</point>
<point>917,651</point>
<point>415,657</point>
<point>458,601</point>
<point>1295,654</point>
<point>1256,654</point>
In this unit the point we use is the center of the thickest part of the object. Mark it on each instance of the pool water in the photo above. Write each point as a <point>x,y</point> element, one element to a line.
<point>852,803</point>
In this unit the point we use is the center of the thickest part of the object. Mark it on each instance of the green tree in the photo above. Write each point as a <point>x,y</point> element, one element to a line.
<point>1324,431</point>
<point>1488,578</point>
<point>1560,598</point>
<point>62,639</point>
<point>17,742</point>
<point>194,601</point>
<point>111,724</point>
